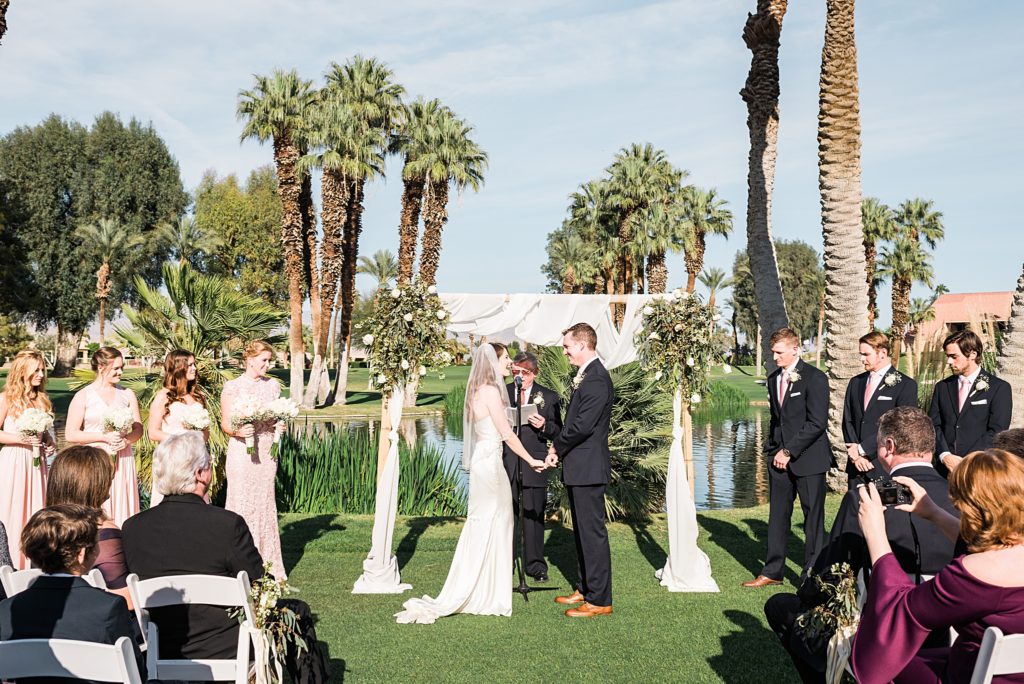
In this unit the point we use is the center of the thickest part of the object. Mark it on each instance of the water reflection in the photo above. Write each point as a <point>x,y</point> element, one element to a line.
<point>728,468</point>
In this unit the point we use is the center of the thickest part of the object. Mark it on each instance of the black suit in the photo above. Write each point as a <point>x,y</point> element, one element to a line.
<point>797,424</point>
<point>534,484</point>
<point>985,412</point>
<point>582,447</point>
<point>182,536</point>
<point>68,608</point>
<point>860,424</point>
<point>846,545</point>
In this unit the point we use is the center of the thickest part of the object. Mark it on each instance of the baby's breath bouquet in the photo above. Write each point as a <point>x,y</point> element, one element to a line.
<point>33,422</point>
<point>247,411</point>
<point>195,417</point>
<point>274,626</point>
<point>119,419</point>
<point>281,408</point>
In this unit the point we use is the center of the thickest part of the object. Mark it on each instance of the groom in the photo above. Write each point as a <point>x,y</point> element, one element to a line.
<point>582,444</point>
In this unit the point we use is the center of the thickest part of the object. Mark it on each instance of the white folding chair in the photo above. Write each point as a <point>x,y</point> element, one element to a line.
<point>177,590</point>
<point>17,581</point>
<point>67,658</point>
<point>1000,654</point>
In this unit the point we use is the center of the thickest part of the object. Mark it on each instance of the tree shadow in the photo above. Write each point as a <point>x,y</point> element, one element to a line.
<point>648,545</point>
<point>297,534</point>
<point>407,547</point>
<point>748,548</point>
<point>560,550</point>
<point>734,663</point>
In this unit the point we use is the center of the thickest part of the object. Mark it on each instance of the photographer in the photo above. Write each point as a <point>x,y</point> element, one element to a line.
<point>983,588</point>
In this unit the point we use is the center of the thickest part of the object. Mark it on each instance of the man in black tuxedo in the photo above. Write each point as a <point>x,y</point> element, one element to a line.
<point>798,452</point>
<point>969,407</point>
<point>535,436</point>
<point>905,440</point>
<point>582,445</point>
<point>878,389</point>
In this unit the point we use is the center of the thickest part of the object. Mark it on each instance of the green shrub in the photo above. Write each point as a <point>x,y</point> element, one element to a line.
<point>454,406</point>
<point>328,470</point>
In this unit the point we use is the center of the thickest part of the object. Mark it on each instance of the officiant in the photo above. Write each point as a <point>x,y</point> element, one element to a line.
<point>535,434</point>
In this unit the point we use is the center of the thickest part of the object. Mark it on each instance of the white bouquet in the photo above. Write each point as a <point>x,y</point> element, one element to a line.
<point>33,422</point>
<point>195,417</point>
<point>118,419</point>
<point>247,411</point>
<point>281,409</point>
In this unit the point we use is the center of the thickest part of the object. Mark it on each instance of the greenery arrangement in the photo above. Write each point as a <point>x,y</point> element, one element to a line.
<point>836,589</point>
<point>276,625</point>
<point>329,470</point>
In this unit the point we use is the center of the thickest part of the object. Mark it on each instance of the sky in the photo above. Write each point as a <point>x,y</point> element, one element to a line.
<point>554,88</point>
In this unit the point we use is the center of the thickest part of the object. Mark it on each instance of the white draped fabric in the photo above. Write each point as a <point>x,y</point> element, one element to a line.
<point>687,568</point>
<point>540,319</point>
<point>380,569</point>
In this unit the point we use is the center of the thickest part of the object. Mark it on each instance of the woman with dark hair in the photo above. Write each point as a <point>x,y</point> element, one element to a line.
<point>61,541</point>
<point>82,475</point>
<point>180,390</point>
<point>89,416</point>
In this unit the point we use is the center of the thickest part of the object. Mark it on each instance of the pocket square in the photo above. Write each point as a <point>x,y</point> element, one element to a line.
<point>881,398</point>
<point>795,394</point>
<point>979,402</point>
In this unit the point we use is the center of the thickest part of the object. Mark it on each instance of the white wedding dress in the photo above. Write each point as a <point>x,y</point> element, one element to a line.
<point>480,578</point>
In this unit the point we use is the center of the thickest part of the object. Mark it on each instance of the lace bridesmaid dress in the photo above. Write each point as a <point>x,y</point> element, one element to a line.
<point>22,492</point>
<point>124,492</point>
<point>480,578</point>
<point>251,477</point>
<point>171,426</point>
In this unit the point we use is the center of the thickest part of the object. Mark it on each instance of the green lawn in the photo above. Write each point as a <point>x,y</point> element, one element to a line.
<point>653,636</point>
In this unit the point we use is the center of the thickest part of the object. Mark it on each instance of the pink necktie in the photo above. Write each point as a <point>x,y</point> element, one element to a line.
<point>783,386</point>
<point>869,390</point>
<point>965,385</point>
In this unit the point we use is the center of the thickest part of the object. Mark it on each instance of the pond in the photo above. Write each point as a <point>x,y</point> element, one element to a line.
<point>729,468</point>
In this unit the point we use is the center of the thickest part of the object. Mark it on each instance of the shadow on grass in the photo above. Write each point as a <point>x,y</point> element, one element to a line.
<point>748,547</point>
<point>407,547</point>
<point>297,534</point>
<point>735,664</point>
<point>560,550</point>
<point>648,545</point>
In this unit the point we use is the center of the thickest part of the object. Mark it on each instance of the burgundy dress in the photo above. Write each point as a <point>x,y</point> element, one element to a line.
<point>899,616</point>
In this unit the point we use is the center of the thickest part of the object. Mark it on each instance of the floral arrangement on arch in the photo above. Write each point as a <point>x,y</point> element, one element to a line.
<point>674,344</point>
<point>406,335</point>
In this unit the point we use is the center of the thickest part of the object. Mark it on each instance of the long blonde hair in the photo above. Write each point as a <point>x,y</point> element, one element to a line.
<point>18,391</point>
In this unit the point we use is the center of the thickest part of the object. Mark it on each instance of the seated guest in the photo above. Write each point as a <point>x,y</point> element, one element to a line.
<point>905,442</point>
<point>82,475</point>
<point>981,589</point>
<point>184,535</point>
<point>62,541</point>
<point>1011,440</point>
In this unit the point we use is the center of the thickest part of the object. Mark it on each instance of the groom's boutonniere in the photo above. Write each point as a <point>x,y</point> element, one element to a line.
<point>577,380</point>
<point>794,376</point>
<point>892,378</point>
<point>538,399</point>
<point>981,384</point>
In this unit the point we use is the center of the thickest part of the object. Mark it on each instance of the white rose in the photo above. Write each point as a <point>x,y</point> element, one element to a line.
<point>678,327</point>
<point>715,316</point>
<point>689,361</point>
<point>726,368</point>
<point>648,311</point>
<point>694,398</point>
<point>367,340</point>
<point>441,314</point>
<point>405,365</point>
<point>423,370</point>
<point>657,376</point>
<point>381,379</point>
<point>654,336</point>
<point>396,293</point>
<point>432,289</point>
<point>407,317</point>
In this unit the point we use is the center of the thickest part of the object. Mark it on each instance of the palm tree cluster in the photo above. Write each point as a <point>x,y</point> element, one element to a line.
<point>621,227</point>
<point>345,130</point>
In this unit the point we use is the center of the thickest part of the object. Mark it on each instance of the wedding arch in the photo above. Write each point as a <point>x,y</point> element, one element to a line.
<point>538,319</point>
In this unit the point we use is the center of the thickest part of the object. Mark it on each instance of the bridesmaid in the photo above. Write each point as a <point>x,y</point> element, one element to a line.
<point>22,484</point>
<point>251,477</point>
<point>180,389</point>
<point>85,426</point>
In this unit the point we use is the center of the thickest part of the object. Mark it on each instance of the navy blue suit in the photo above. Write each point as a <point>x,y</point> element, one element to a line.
<point>860,424</point>
<point>985,412</point>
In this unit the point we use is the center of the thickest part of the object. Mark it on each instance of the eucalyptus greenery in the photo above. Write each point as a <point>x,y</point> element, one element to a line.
<point>836,589</point>
<point>405,336</point>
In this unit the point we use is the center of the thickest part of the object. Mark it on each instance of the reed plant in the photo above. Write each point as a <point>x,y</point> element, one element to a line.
<point>454,405</point>
<point>722,397</point>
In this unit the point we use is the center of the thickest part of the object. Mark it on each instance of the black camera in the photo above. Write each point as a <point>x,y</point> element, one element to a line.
<point>893,493</point>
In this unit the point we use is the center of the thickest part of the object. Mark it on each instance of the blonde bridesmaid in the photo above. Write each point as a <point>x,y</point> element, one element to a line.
<point>180,389</point>
<point>86,426</point>
<point>22,477</point>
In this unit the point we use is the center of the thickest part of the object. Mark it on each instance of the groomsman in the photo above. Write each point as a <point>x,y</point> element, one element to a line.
<point>798,452</point>
<point>969,407</point>
<point>542,428</point>
<point>878,389</point>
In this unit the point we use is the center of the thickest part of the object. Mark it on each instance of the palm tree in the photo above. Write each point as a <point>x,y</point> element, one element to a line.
<point>187,240</point>
<point>382,267</point>
<point>761,94</point>
<point>879,225</point>
<point>658,231</point>
<point>4,4</point>
<point>705,215</point>
<point>1010,362</point>
<point>453,157</point>
<point>592,217</point>
<point>905,263</point>
<point>839,181</point>
<point>716,280</point>
<point>918,221</point>
<point>110,241</point>
<point>276,110</point>
<point>572,258</point>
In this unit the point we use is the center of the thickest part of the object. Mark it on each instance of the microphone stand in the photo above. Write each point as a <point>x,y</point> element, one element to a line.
<point>523,589</point>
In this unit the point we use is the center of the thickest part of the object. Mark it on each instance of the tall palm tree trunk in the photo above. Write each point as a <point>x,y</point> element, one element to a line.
<point>1011,359</point>
<point>657,273</point>
<point>310,256</point>
<point>846,297</point>
<point>870,266</point>
<point>102,294</point>
<point>761,94</point>
<point>4,4</point>
<point>286,156</point>
<point>435,216</point>
<point>408,227</point>
<point>694,260</point>
<point>568,281</point>
<point>900,316</point>
<point>350,252</point>
<point>821,331</point>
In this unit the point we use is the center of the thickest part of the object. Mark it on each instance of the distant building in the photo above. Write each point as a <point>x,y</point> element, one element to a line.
<point>983,312</point>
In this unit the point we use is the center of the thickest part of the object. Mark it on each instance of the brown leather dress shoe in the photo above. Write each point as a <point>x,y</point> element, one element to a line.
<point>761,581</point>
<point>588,610</point>
<point>573,599</point>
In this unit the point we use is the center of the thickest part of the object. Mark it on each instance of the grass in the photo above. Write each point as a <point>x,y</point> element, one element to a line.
<point>653,636</point>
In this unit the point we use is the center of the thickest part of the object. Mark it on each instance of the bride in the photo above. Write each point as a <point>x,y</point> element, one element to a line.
<point>480,578</point>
